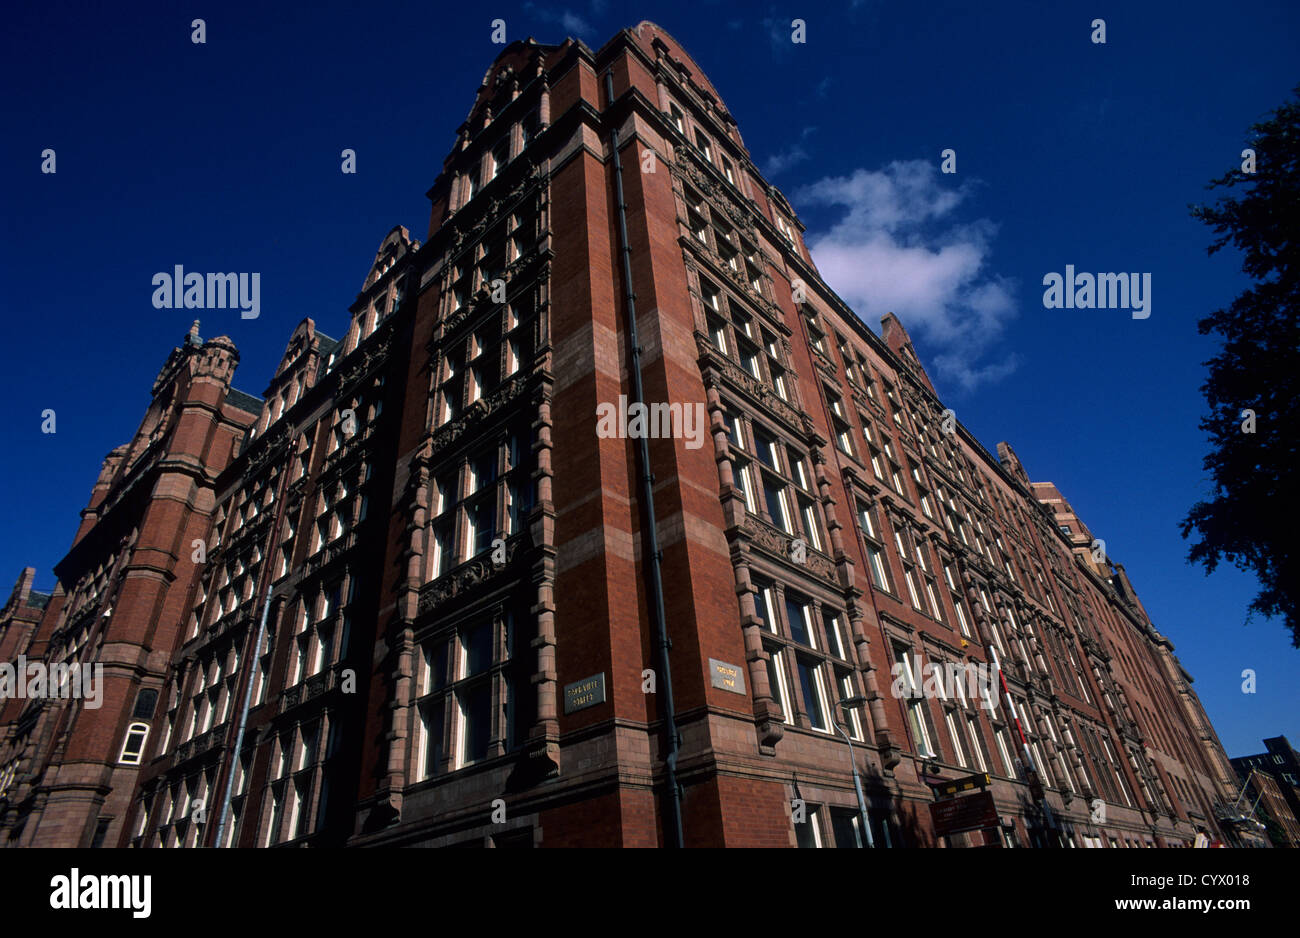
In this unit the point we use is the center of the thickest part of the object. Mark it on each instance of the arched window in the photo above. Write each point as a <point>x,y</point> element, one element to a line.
<point>133,747</point>
<point>145,701</point>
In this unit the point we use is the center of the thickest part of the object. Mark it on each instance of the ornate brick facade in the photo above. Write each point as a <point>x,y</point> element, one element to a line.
<point>417,541</point>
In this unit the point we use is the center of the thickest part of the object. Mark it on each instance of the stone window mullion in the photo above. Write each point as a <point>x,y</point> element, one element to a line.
<point>450,727</point>
<point>778,600</point>
<point>817,628</point>
<point>798,716</point>
<point>497,733</point>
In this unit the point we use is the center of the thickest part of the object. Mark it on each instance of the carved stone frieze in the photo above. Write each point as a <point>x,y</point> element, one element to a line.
<point>366,362</point>
<point>266,448</point>
<point>465,578</point>
<point>760,393</point>
<point>476,413</point>
<point>684,158</point>
<point>777,542</point>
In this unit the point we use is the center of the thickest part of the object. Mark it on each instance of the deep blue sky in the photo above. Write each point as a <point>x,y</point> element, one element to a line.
<point>225,156</point>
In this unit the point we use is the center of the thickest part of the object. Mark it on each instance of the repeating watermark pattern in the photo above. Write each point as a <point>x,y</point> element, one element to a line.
<point>970,679</point>
<point>499,32</point>
<point>104,891</point>
<point>199,33</point>
<point>949,164</point>
<point>1100,291</point>
<point>48,162</point>
<point>33,680</point>
<point>653,421</point>
<point>349,165</point>
<point>1247,161</point>
<point>1247,421</point>
<point>798,32</point>
<point>1248,681</point>
<point>1099,32</point>
<point>48,422</point>
<point>179,290</point>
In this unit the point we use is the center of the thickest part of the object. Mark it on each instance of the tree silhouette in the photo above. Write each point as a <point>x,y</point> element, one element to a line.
<point>1254,380</point>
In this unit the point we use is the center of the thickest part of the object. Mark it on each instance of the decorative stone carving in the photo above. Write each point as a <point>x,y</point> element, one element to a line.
<point>684,158</point>
<point>760,393</point>
<point>266,448</point>
<point>475,413</point>
<point>466,577</point>
<point>777,542</point>
<point>370,359</point>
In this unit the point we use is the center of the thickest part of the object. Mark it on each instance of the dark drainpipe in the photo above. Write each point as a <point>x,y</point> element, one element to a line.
<point>673,831</point>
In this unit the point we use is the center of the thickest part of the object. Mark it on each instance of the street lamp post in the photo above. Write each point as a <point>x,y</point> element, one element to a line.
<point>854,703</point>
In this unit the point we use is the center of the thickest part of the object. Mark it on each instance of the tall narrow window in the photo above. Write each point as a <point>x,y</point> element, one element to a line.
<point>909,574</point>
<point>777,501</point>
<point>814,694</point>
<point>834,640</point>
<point>850,714</point>
<point>1004,751</point>
<point>500,156</point>
<point>951,721</point>
<point>798,611</point>
<point>431,728</point>
<point>133,745</point>
<point>776,677</point>
<point>476,722</point>
<point>530,126</point>
<point>702,144</point>
<point>958,603</point>
<point>976,742</point>
<point>808,833</point>
<point>875,549</point>
<point>915,703</point>
<point>765,604</point>
<point>475,180</point>
<point>740,471</point>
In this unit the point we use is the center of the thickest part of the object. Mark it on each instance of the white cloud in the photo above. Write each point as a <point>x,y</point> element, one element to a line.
<point>778,163</point>
<point>898,248</point>
<point>793,155</point>
<point>575,24</point>
<point>780,34</point>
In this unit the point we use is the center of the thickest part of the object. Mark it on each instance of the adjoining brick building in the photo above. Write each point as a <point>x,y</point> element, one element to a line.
<point>123,593</point>
<point>1281,799</point>
<point>459,614</point>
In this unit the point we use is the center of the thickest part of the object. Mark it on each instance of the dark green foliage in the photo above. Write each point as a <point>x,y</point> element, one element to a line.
<point>1251,520</point>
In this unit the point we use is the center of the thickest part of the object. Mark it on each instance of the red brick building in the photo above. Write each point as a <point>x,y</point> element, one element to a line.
<point>1281,800</point>
<point>121,601</point>
<point>440,603</point>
